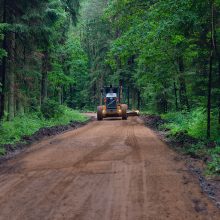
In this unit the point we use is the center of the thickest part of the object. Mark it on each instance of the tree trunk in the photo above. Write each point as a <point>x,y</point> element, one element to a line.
<point>139,100</point>
<point>133,99</point>
<point>2,82</point>
<point>11,77</point>
<point>212,49</point>
<point>209,97</point>
<point>214,15</point>
<point>120,94</point>
<point>60,95</point>
<point>182,90</point>
<point>45,61</point>
<point>3,68</point>
<point>20,108</point>
<point>176,98</point>
<point>94,94</point>
<point>128,97</point>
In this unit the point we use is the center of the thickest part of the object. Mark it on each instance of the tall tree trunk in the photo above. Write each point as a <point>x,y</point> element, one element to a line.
<point>94,94</point>
<point>182,90</point>
<point>120,91</point>
<point>128,97</point>
<point>100,88</point>
<point>139,100</point>
<point>176,98</point>
<point>45,63</point>
<point>20,107</point>
<point>2,82</point>
<point>212,49</point>
<point>3,67</point>
<point>219,87</point>
<point>11,77</point>
<point>215,14</point>
<point>60,95</point>
<point>209,97</point>
<point>133,98</point>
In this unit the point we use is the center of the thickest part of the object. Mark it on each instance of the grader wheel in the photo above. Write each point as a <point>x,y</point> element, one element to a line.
<point>124,112</point>
<point>99,113</point>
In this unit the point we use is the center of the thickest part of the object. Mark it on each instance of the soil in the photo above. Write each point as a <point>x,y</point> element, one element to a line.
<point>26,141</point>
<point>195,164</point>
<point>108,170</point>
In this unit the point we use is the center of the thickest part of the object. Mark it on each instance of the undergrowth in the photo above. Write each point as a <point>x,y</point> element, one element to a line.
<point>192,126</point>
<point>11,132</point>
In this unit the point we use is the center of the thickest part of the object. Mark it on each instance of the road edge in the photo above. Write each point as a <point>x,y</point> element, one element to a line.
<point>26,142</point>
<point>210,187</point>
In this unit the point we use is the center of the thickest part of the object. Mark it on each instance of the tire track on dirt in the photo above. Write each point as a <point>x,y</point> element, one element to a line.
<point>109,170</point>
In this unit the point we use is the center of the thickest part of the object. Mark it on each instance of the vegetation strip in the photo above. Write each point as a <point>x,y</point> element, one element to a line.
<point>17,145</point>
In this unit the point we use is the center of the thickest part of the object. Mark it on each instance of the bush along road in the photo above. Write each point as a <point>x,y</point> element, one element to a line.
<point>24,130</point>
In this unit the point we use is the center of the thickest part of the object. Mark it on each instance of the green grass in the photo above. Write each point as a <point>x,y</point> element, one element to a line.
<point>11,132</point>
<point>213,166</point>
<point>194,125</point>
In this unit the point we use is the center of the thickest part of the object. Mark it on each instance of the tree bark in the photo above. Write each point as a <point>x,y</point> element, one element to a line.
<point>139,100</point>
<point>176,98</point>
<point>120,91</point>
<point>128,97</point>
<point>133,98</point>
<point>45,61</point>
<point>212,49</point>
<point>209,97</point>
<point>3,67</point>
<point>60,96</point>
<point>11,77</point>
<point>182,90</point>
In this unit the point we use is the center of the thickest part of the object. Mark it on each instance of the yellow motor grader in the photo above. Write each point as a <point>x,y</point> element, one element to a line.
<point>112,104</point>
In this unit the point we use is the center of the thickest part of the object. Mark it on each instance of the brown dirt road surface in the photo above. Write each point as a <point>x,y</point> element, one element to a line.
<point>109,170</point>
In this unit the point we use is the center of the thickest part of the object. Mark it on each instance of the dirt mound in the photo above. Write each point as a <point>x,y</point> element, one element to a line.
<point>153,121</point>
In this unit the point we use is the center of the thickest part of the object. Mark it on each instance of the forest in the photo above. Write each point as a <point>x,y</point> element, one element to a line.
<point>56,55</point>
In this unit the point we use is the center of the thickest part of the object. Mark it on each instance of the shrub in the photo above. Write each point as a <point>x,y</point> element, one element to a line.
<point>51,109</point>
<point>193,123</point>
<point>26,125</point>
<point>213,166</point>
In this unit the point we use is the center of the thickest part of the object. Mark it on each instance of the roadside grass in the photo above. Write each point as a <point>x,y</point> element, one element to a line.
<point>192,126</point>
<point>12,132</point>
<point>193,123</point>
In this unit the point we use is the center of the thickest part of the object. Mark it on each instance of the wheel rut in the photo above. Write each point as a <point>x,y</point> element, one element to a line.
<point>108,170</point>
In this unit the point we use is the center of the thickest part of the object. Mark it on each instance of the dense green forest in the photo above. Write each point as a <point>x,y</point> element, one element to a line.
<point>166,54</point>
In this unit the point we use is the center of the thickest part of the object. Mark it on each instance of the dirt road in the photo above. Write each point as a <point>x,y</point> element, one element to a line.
<point>107,170</point>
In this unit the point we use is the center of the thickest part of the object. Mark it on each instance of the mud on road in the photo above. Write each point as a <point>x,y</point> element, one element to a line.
<point>109,170</point>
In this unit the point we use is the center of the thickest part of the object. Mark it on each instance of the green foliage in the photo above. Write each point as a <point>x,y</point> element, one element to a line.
<point>26,125</point>
<point>2,151</point>
<point>11,132</point>
<point>184,125</point>
<point>67,116</point>
<point>51,109</point>
<point>193,123</point>
<point>95,35</point>
<point>214,166</point>
<point>2,51</point>
<point>196,150</point>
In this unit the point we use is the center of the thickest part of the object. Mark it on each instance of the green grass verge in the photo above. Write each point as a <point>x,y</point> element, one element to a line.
<point>11,132</point>
<point>194,125</point>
